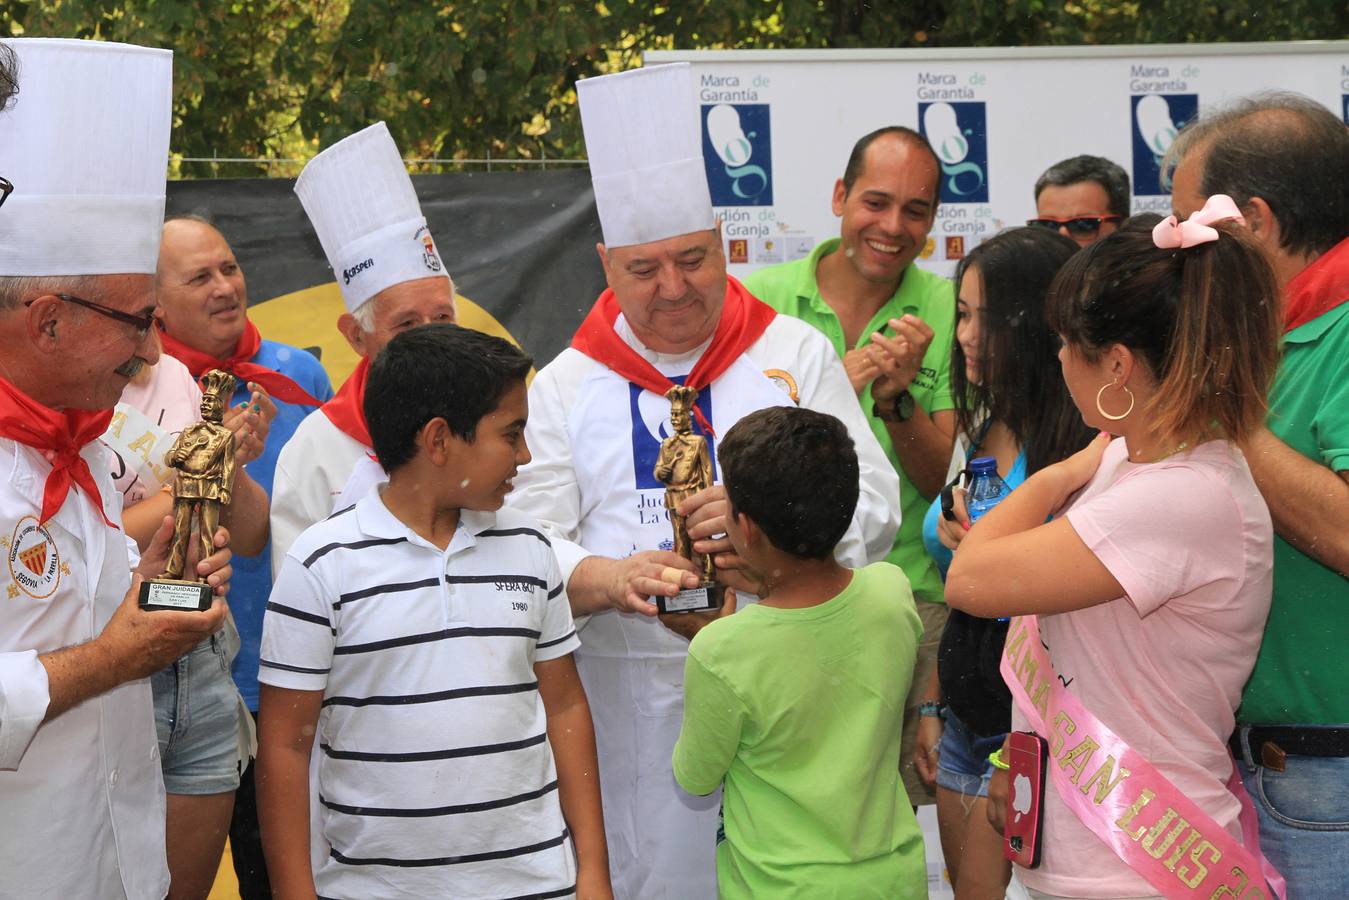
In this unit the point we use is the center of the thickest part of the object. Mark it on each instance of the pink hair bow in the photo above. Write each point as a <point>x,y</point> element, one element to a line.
<point>1198,228</point>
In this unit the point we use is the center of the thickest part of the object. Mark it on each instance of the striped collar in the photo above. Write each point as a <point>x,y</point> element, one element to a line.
<point>373,519</point>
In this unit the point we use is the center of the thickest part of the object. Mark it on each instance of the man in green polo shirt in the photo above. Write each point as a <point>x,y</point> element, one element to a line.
<point>1285,160</point>
<point>893,325</point>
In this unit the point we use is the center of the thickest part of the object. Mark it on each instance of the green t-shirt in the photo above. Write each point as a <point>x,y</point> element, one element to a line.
<point>800,712</point>
<point>1300,675</point>
<point>790,288</point>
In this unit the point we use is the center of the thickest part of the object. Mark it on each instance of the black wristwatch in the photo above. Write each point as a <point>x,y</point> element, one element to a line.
<point>899,409</point>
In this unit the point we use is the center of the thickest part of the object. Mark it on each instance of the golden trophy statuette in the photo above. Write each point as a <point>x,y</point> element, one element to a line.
<point>204,459</point>
<point>684,466</point>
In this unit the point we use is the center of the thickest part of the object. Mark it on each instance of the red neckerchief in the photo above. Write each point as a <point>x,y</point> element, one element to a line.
<point>744,319</point>
<point>347,408</point>
<point>1317,289</point>
<point>61,436</point>
<point>240,365</point>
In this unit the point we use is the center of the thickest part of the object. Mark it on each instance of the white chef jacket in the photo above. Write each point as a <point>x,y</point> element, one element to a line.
<point>311,472</point>
<point>81,796</point>
<point>594,439</point>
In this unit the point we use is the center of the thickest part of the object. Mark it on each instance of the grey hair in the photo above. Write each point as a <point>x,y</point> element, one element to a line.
<point>365,313</point>
<point>1075,170</point>
<point>197,217</point>
<point>14,289</point>
<point>1284,148</point>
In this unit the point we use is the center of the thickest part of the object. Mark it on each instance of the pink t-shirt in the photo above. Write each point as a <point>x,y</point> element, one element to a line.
<point>171,400</point>
<point>1190,540</point>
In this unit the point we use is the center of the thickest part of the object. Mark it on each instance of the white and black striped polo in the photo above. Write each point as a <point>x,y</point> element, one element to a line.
<point>435,774</point>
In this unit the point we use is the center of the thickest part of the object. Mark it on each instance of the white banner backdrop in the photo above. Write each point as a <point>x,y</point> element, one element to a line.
<point>778,125</point>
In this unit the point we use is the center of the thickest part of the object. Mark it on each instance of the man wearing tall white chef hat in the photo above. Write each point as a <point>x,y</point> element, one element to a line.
<point>362,205</point>
<point>597,415</point>
<point>83,152</point>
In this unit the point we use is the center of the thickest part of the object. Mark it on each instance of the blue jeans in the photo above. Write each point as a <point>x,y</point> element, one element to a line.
<point>1304,820</point>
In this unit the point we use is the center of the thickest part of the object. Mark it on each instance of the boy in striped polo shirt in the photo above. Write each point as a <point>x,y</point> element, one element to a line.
<point>424,639</point>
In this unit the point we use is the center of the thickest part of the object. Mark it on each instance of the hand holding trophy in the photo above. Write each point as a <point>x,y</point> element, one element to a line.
<point>204,459</point>
<point>684,466</point>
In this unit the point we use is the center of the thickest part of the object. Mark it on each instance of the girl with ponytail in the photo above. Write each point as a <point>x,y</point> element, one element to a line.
<point>1139,569</point>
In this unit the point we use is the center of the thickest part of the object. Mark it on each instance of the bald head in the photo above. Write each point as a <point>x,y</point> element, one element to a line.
<point>1284,149</point>
<point>203,299</point>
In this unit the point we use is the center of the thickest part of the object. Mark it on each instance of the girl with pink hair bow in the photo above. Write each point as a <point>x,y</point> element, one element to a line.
<point>1140,567</point>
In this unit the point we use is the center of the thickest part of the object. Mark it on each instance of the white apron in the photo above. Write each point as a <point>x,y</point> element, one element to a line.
<point>662,840</point>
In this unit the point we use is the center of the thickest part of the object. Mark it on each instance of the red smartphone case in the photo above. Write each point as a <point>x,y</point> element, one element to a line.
<point>1028,761</point>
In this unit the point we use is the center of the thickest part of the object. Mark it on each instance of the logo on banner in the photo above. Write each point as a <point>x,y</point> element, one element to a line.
<point>768,250</point>
<point>958,132</point>
<point>738,154</point>
<point>34,563</point>
<point>738,250</point>
<point>1157,119</point>
<point>651,425</point>
<point>955,246</point>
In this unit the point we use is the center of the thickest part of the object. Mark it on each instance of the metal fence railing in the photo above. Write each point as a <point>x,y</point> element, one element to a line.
<point>281,167</point>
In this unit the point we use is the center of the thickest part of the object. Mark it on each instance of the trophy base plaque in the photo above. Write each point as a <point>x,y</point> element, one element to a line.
<point>166,593</point>
<point>699,599</point>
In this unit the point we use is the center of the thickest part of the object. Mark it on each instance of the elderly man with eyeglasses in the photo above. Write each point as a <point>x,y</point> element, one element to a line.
<point>1084,198</point>
<point>80,786</point>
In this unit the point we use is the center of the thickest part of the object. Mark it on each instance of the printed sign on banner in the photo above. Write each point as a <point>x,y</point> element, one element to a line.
<point>997,118</point>
<point>1157,119</point>
<point>957,129</point>
<point>738,154</point>
<point>959,134</point>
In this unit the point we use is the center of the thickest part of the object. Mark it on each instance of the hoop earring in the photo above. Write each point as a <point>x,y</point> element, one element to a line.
<point>1123,415</point>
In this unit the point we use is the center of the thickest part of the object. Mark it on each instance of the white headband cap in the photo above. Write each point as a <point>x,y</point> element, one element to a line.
<point>645,148</point>
<point>364,209</point>
<point>86,145</point>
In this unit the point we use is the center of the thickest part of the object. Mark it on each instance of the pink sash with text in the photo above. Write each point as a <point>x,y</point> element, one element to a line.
<point>1135,809</point>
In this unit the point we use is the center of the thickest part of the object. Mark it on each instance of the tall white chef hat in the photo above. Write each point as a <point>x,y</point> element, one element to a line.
<point>361,203</point>
<point>645,148</point>
<point>86,146</point>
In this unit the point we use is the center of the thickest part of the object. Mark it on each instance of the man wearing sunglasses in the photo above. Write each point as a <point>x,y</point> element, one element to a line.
<point>1084,198</point>
<point>80,784</point>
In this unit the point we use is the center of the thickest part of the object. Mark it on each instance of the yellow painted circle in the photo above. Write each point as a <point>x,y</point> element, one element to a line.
<point>308,318</point>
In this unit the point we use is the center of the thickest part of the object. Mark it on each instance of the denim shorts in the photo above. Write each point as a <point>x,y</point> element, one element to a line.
<point>197,720</point>
<point>962,758</point>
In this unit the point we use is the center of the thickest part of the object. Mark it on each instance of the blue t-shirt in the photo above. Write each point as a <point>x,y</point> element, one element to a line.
<point>252,581</point>
<point>940,555</point>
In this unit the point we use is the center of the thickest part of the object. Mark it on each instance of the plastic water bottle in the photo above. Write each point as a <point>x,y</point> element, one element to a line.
<point>986,487</point>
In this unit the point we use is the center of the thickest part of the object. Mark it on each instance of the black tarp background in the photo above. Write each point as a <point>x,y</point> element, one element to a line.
<point>519,244</point>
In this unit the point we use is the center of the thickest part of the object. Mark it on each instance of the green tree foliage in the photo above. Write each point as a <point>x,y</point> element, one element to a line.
<point>460,80</point>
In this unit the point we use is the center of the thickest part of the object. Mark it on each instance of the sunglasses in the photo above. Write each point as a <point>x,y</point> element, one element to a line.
<point>142,323</point>
<point>1081,226</point>
<point>6,188</point>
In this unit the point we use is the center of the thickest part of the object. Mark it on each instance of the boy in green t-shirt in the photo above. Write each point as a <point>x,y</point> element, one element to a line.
<point>796,703</point>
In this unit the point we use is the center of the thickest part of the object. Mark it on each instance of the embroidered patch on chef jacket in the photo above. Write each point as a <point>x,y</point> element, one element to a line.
<point>783,379</point>
<point>34,561</point>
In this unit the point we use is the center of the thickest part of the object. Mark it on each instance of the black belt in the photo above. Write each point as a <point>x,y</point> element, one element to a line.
<point>1294,741</point>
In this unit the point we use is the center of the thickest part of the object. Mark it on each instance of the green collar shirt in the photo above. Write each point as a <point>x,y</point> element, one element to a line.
<point>792,290</point>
